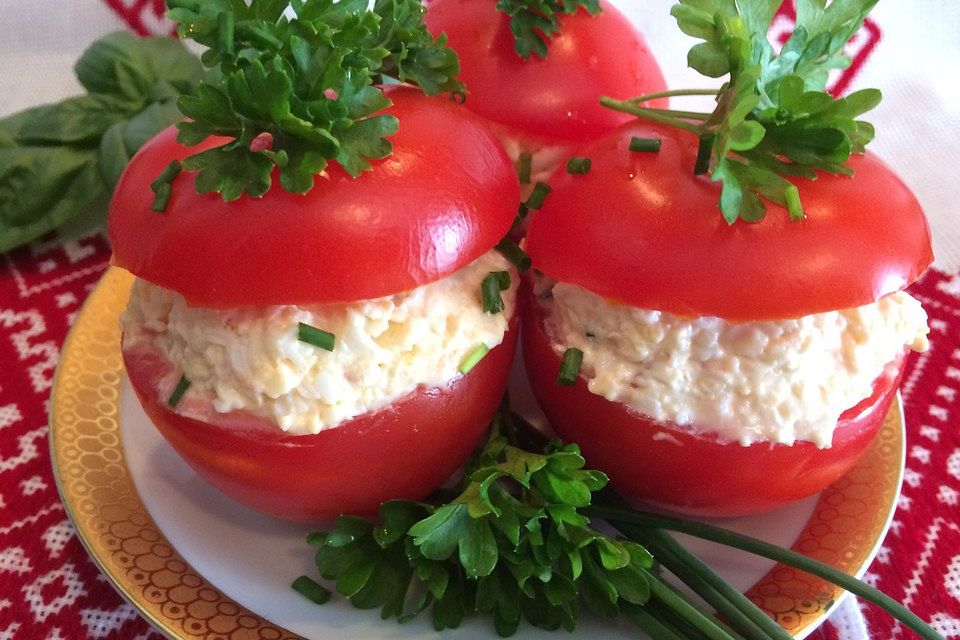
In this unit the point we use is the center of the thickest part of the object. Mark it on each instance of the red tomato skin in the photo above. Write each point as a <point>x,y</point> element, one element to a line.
<point>661,465</point>
<point>445,196</point>
<point>404,451</point>
<point>557,97</point>
<point>665,245</point>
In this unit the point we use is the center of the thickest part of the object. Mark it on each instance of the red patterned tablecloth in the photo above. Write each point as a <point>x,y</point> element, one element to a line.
<point>49,587</point>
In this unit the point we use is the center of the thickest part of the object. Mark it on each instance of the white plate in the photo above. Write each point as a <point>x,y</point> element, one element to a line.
<point>198,564</point>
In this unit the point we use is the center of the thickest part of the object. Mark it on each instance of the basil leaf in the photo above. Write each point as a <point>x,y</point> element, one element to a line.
<point>42,188</point>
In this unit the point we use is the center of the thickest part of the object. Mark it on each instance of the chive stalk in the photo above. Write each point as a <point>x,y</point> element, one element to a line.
<point>512,252</point>
<point>524,167</point>
<point>570,367</point>
<point>311,590</point>
<point>703,154</point>
<point>316,337</point>
<point>540,192</point>
<point>578,166</point>
<point>473,358</point>
<point>645,145</point>
<point>182,385</point>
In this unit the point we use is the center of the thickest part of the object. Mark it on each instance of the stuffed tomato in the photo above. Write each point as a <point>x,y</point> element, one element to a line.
<point>726,369</point>
<point>547,106</point>
<point>306,353</point>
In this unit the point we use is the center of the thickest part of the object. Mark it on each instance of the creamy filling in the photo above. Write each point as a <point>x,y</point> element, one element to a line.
<point>777,381</point>
<point>250,359</point>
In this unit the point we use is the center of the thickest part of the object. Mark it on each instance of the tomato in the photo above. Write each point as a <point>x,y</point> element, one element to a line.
<point>445,196</point>
<point>665,245</point>
<point>404,451</point>
<point>553,98</point>
<point>663,465</point>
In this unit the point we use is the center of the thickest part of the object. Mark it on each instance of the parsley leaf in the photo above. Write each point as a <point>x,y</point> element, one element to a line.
<point>307,81</point>
<point>511,544</point>
<point>535,22</point>
<point>773,118</point>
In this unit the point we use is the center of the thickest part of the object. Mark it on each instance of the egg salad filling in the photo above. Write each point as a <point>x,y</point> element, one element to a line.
<point>776,381</point>
<point>544,156</point>
<point>250,358</point>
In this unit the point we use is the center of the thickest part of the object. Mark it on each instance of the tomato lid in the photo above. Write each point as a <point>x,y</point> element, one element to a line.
<point>446,195</point>
<point>554,97</point>
<point>640,228</point>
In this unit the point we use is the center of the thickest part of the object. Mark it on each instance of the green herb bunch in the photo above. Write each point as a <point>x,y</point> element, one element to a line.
<point>57,161</point>
<point>517,539</point>
<point>299,86</point>
<point>534,22</point>
<point>774,118</point>
<point>511,544</point>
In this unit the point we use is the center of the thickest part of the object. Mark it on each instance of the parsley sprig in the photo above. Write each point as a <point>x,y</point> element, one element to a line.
<point>517,541</point>
<point>299,87</point>
<point>773,119</point>
<point>534,23</point>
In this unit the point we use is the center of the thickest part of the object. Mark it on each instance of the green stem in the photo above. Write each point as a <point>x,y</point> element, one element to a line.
<point>674,93</point>
<point>773,552</point>
<point>743,614</point>
<point>650,624</point>
<point>691,614</point>
<point>653,115</point>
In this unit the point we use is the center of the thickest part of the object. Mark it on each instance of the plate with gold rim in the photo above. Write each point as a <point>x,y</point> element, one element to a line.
<point>198,565</point>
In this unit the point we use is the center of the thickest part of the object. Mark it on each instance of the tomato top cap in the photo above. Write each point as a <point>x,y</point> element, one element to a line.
<point>555,98</point>
<point>640,228</point>
<point>445,196</point>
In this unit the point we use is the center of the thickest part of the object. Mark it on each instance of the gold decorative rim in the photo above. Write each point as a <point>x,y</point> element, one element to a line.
<point>98,492</point>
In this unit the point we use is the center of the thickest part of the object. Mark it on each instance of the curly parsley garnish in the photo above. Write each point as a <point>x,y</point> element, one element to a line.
<point>535,22</point>
<point>298,86</point>
<point>773,118</point>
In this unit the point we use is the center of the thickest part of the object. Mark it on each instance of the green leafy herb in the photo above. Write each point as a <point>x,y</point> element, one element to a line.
<point>535,22</point>
<point>578,166</point>
<point>774,119</point>
<point>473,359</point>
<point>512,544</point>
<point>491,286</point>
<point>570,367</point>
<point>182,385</point>
<point>61,160</point>
<point>515,541</point>
<point>316,337</point>
<point>298,90</point>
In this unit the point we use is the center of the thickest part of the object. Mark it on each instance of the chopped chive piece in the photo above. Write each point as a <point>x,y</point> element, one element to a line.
<point>540,192</point>
<point>517,225</point>
<point>178,391</point>
<point>570,367</point>
<point>649,145</point>
<point>311,589</point>
<point>316,337</point>
<point>578,166</point>
<point>490,291</point>
<point>503,279</point>
<point>512,252</point>
<point>703,154</point>
<point>524,167</point>
<point>792,195</point>
<point>471,360</point>
<point>162,198</point>
<point>161,186</point>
